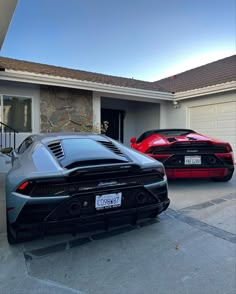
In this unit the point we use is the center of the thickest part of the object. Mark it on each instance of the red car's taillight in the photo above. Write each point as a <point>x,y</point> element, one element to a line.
<point>225,147</point>
<point>229,148</point>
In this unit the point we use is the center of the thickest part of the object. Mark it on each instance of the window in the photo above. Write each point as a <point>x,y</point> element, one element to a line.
<point>17,113</point>
<point>25,145</point>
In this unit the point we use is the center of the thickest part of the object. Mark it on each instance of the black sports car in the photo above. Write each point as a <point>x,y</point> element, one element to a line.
<point>73,182</point>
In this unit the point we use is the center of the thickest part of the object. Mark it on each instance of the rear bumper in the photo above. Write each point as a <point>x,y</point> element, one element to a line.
<point>217,165</point>
<point>101,221</point>
<point>196,173</point>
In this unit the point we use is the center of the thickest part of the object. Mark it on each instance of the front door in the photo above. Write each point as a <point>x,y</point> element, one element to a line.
<point>115,119</point>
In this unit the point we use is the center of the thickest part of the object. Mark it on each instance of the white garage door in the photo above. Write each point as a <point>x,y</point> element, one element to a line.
<point>216,120</point>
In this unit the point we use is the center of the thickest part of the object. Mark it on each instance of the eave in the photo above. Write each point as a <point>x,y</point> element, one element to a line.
<point>42,79</point>
<point>220,88</point>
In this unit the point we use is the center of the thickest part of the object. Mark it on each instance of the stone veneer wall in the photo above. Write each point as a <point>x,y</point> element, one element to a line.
<point>65,110</point>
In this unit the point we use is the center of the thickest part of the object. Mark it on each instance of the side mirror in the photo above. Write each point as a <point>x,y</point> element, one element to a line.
<point>7,150</point>
<point>133,140</point>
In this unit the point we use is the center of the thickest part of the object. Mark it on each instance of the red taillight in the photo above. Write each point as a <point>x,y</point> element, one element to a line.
<point>229,148</point>
<point>23,186</point>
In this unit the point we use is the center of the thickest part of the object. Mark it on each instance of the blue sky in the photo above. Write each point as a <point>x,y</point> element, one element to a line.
<point>142,39</point>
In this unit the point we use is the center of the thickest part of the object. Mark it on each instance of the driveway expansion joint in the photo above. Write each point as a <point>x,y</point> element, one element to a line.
<point>45,251</point>
<point>209,203</point>
<point>179,215</point>
<point>169,213</point>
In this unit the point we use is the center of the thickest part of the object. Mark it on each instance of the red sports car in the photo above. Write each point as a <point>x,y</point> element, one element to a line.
<point>187,154</point>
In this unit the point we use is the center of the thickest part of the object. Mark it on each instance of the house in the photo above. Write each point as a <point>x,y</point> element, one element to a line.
<point>205,98</point>
<point>44,98</point>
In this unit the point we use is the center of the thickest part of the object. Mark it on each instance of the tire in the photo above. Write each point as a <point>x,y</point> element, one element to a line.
<point>225,178</point>
<point>11,235</point>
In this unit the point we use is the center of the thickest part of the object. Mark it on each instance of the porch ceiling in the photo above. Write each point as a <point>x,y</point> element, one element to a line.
<point>7,9</point>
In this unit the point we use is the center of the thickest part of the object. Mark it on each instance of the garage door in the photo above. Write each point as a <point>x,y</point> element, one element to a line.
<point>216,120</point>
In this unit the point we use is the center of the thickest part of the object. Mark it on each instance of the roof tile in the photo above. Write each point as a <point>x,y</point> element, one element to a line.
<point>218,72</point>
<point>38,68</point>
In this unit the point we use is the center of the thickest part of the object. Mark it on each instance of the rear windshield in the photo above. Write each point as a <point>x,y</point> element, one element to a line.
<point>87,150</point>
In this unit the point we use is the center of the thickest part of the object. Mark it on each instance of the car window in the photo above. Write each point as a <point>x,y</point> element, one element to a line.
<point>25,145</point>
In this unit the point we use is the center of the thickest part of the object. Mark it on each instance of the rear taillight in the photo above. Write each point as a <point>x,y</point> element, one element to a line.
<point>223,147</point>
<point>25,188</point>
<point>160,170</point>
<point>229,148</point>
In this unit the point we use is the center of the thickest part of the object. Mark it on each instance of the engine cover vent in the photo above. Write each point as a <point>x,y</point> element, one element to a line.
<point>56,149</point>
<point>112,147</point>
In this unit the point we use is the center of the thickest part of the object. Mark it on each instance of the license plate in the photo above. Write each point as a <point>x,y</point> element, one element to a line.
<point>192,160</point>
<point>108,200</point>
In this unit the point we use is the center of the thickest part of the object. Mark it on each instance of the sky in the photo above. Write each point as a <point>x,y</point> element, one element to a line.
<point>140,39</point>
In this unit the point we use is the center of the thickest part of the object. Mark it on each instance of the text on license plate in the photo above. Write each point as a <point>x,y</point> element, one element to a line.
<point>192,159</point>
<point>108,200</point>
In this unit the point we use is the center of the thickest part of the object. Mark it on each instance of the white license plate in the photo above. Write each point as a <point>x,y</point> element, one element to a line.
<point>108,200</point>
<point>192,160</point>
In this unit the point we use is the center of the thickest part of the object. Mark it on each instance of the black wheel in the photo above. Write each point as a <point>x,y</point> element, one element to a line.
<point>225,178</point>
<point>11,234</point>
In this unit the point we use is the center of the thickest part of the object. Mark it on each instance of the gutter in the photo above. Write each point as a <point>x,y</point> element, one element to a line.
<point>219,88</point>
<point>33,78</point>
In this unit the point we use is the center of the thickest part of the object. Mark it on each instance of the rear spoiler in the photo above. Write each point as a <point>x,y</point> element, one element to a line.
<point>103,168</point>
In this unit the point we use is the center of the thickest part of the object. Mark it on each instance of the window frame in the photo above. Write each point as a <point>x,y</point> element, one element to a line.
<point>18,96</point>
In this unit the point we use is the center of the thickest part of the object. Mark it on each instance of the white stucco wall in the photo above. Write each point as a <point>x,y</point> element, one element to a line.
<point>24,90</point>
<point>96,110</point>
<point>178,117</point>
<point>147,117</point>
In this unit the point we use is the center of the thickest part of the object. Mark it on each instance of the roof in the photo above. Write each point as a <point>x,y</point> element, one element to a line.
<point>45,69</point>
<point>217,72</point>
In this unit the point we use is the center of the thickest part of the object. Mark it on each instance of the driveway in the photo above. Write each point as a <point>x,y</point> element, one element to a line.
<point>189,249</point>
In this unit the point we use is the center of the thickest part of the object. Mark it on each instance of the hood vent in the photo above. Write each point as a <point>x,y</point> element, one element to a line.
<point>192,139</point>
<point>112,147</point>
<point>56,149</point>
<point>171,139</point>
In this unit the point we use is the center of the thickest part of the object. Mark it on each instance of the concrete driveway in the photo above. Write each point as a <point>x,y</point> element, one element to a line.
<point>191,248</point>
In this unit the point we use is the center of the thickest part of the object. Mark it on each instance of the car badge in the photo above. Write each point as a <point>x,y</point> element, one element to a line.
<point>101,184</point>
<point>193,151</point>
